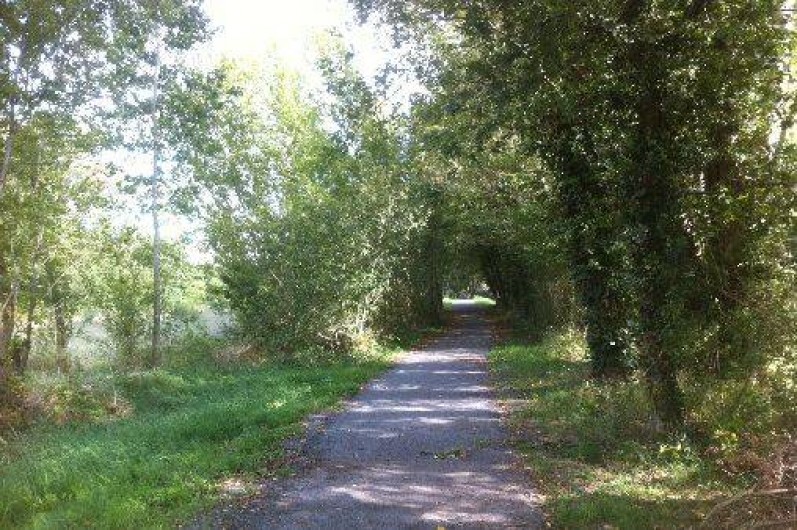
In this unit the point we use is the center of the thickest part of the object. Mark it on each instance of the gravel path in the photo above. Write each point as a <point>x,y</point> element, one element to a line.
<point>420,447</point>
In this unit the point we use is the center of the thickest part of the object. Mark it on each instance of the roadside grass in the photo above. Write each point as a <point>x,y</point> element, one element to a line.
<point>480,301</point>
<point>483,301</point>
<point>190,431</point>
<point>590,447</point>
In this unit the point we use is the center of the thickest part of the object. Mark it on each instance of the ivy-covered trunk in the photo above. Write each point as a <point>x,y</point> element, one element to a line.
<point>653,205</point>
<point>430,309</point>
<point>591,239</point>
<point>724,262</point>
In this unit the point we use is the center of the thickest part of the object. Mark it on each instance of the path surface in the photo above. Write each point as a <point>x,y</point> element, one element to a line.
<point>420,447</point>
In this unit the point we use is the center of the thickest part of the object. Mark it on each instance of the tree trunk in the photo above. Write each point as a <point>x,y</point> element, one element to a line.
<point>155,358</point>
<point>21,360</point>
<point>62,333</point>
<point>605,314</point>
<point>432,303</point>
<point>724,262</point>
<point>658,365</point>
<point>8,148</point>
<point>8,304</point>
<point>653,198</point>
<point>8,144</point>
<point>7,300</point>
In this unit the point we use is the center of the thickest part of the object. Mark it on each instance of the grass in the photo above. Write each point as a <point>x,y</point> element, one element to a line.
<point>483,301</point>
<point>190,431</point>
<point>480,301</point>
<point>590,447</point>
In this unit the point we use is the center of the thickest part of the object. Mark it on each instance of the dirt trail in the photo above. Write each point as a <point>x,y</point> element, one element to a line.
<point>420,447</point>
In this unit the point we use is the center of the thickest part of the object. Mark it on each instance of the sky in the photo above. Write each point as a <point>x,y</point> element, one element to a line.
<point>254,29</point>
<point>249,29</point>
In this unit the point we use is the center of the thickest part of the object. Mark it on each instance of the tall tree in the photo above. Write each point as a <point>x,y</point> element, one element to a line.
<point>62,61</point>
<point>657,120</point>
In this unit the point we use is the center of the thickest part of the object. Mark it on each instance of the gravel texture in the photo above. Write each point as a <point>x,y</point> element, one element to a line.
<point>420,447</point>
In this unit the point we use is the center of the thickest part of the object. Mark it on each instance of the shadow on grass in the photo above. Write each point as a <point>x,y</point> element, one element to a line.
<point>590,445</point>
<point>191,430</point>
<point>627,511</point>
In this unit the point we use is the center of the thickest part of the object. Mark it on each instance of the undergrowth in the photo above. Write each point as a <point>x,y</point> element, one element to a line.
<point>592,449</point>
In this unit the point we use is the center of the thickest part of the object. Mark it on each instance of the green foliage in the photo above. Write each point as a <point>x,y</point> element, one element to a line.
<point>622,165</point>
<point>58,60</point>
<point>499,219</point>
<point>124,291</point>
<point>120,277</point>
<point>192,429</point>
<point>73,399</point>
<point>664,129</point>
<point>319,239</point>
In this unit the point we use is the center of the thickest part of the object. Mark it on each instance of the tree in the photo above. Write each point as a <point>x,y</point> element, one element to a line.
<point>59,60</point>
<point>317,230</point>
<point>656,121</point>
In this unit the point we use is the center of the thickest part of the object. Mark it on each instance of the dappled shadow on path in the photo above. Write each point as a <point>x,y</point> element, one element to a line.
<point>421,446</point>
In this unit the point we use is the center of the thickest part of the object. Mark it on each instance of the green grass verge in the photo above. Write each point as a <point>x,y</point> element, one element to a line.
<point>480,301</point>
<point>483,301</point>
<point>190,430</point>
<point>590,447</point>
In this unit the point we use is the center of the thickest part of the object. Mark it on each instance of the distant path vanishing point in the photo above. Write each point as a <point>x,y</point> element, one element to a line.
<point>420,447</point>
